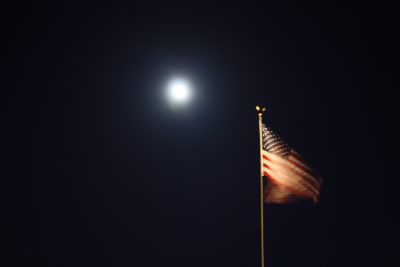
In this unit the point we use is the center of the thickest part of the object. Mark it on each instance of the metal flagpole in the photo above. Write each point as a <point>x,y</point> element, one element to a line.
<point>260,113</point>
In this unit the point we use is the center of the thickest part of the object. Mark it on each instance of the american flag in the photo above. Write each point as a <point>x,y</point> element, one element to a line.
<point>289,177</point>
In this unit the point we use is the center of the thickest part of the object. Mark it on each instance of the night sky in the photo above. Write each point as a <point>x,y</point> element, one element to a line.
<point>107,174</point>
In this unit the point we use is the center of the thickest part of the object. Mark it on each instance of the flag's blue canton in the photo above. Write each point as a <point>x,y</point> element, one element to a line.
<point>273,143</point>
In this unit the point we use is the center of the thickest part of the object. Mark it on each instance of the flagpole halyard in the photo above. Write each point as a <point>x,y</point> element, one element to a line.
<point>260,113</point>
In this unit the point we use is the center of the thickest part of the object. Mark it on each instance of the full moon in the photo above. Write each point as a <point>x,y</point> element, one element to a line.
<point>179,91</point>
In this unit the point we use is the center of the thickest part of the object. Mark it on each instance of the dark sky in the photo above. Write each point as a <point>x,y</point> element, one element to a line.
<point>107,175</point>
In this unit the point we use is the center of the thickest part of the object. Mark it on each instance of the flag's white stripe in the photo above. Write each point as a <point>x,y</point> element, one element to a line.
<point>294,182</point>
<point>277,194</point>
<point>297,175</point>
<point>282,180</point>
<point>294,156</point>
<point>303,166</point>
<point>307,172</point>
<point>290,177</point>
<point>307,177</point>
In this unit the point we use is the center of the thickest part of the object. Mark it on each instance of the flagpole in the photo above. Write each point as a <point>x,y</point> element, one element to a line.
<point>260,113</point>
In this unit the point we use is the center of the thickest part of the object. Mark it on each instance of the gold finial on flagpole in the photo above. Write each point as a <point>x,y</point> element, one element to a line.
<point>260,110</point>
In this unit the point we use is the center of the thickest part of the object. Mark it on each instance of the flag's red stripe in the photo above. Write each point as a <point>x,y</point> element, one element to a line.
<point>313,183</point>
<point>301,194</point>
<point>312,180</point>
<point>310,183</point>
<point>298,165</point>
<point>306,186</point>
<point>304,168</point>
